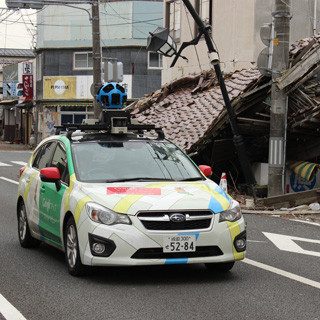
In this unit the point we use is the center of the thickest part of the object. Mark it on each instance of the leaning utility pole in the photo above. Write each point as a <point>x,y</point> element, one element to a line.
<point>96,56</point>
<point>278,110</point>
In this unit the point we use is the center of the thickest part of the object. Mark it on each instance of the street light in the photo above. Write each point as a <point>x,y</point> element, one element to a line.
<point>160,41</point>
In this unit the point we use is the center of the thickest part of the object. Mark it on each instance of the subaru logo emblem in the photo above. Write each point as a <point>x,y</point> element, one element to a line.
<point>177,217</point>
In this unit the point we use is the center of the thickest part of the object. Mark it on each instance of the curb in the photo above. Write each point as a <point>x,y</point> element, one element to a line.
<point>14,147</point>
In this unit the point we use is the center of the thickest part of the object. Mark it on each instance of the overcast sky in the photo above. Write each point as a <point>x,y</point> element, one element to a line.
<point>14,31</point>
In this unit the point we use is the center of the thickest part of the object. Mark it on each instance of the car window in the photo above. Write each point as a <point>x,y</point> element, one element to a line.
<point>111,161</point>
<point>45,155</point>
<point>60,161</point>
<point>37,155</point>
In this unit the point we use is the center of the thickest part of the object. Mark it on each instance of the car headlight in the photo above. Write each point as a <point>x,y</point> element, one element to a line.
<point>104,215</point>
<point>233,213</point>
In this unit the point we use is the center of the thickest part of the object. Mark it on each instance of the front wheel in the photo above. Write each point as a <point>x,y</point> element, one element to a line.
<point>25,238</point>
<point>72,253</point>
<point>220,267</point>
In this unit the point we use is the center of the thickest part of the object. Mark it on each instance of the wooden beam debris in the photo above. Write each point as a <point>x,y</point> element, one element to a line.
<point>291,199</point>
<point>299,69</point>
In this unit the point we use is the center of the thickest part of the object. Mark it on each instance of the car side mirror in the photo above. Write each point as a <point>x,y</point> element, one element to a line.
<point>206,170</point>
<point>51,174</point>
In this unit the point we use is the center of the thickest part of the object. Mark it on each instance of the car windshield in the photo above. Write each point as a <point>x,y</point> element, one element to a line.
<point>132,160</point>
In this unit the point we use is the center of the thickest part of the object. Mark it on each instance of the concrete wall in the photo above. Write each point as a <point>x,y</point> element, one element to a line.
<point>236,32</point>
<point>60,63</point>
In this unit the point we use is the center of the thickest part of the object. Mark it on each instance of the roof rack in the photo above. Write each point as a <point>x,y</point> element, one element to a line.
<point>113,122</point>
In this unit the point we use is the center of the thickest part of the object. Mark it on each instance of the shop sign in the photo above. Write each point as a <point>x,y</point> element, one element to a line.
<point>59,87</point>
<point>9,90</point>
<point>27,68</point>
<point>27,81</point>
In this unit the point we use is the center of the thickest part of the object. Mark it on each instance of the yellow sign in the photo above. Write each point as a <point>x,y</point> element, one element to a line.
<point>275,41</point>
<point>59,87</point>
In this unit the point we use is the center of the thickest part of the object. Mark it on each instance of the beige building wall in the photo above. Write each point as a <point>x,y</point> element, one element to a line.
<point>233,34</point>
<point>236,33</point>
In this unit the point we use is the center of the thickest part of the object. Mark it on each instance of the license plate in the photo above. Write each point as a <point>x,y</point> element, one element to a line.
<point>181,243</point>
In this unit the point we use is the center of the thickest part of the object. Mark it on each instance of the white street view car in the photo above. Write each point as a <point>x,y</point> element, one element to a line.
<point>110,199</point>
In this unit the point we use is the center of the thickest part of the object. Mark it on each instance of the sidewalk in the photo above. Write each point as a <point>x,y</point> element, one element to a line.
<point>7,146</point>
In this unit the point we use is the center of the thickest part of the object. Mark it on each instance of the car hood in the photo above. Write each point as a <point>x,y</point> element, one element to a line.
<point>132,197</point>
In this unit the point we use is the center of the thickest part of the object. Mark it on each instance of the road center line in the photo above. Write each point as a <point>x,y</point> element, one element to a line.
<point>283,273</point>
<point>9,311</point>
<point>9,180</point>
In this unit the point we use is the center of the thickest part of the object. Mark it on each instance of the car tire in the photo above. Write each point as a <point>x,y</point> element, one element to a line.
<point>25,238</point>
<point>72,252</point>
<point>221,267</point>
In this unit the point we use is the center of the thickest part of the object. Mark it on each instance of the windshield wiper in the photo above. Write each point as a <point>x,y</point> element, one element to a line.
<point>191,179</point>
<point>139,179</point>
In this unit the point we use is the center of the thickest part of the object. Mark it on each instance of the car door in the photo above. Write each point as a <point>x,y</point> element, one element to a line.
<point>42,159</point>
<point>51,198</point>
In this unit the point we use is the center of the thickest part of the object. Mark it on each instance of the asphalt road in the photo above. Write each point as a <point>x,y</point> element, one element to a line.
<point>270,284</point>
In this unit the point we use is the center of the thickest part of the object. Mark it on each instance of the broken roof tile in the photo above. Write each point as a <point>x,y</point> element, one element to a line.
<point>186,114</point>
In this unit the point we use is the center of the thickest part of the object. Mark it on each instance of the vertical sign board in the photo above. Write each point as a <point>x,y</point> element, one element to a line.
<point>27,81</point>
<point>27,67</point>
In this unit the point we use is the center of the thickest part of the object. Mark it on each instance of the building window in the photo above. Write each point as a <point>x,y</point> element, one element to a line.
<point>74,114</point>
<point>205,8</point>
<point>72,118</point>
<point>173,19</point>
<point>154,60</point>
<point>82,60</point>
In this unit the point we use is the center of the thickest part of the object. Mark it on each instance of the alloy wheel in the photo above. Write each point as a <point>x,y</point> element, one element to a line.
<point>22,223</point>
<point>72,245</point>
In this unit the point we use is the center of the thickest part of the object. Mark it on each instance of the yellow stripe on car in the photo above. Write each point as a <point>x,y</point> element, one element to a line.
<point>26,190</point>
<point>219,197</point>
<point>68,192</point>
<point>234,229</point>
<point>24,172</point>
<point>125,203</point>
<point>79,208</point>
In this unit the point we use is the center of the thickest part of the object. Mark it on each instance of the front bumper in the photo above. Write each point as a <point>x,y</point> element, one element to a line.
<point>135,245</point>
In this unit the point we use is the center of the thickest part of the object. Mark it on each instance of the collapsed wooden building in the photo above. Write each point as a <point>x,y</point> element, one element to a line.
<point>192,113</point>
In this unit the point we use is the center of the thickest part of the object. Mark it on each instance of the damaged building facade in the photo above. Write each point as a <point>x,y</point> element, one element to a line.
<point>191,111</point>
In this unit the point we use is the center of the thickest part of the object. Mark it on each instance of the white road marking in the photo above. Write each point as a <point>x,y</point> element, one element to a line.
<point>2,164</point>
<point>9,311</point>
<point>257,241</point>
<point>20,163</point>
<point>283,273</point>
<point>286,243</point>
<point>9,180</point>
<point>307,222</point>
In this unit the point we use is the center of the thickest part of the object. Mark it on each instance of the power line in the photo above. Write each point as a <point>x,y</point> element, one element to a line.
<point>87,25</point>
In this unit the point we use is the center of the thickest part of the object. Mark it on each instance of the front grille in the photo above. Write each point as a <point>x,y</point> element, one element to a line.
<point>187,225</point>
<point>159,220</point>
<point>157,253</point>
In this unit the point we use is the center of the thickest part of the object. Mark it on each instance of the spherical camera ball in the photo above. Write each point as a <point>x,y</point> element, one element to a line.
<point>112,96</point>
